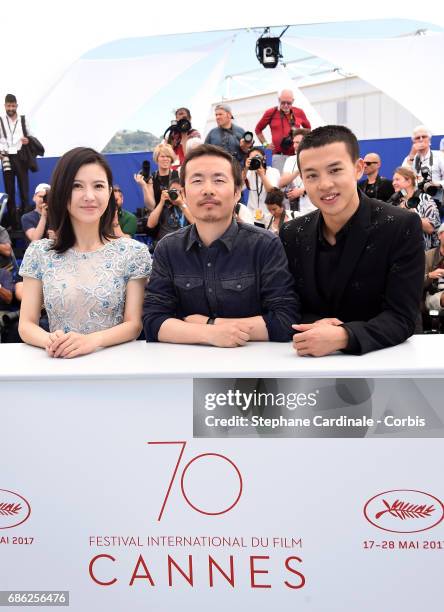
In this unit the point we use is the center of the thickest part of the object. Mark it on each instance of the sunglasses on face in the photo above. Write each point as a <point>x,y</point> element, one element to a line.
<point>421,137</point>
<point>370,163</point>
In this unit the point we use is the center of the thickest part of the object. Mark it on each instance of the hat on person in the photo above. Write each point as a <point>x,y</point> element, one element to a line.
<point>225,107</point>
<point>42,187</point>
<point>440,229</point>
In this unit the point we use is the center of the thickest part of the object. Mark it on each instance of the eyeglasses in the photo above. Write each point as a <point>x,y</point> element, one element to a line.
<point>370,163</point>
<point>117,190</point>
<point>421,137</point>
<point>284,103</point>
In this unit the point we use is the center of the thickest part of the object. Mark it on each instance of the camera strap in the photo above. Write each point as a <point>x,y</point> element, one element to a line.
<point>3,129</point>
<point>418,163</point>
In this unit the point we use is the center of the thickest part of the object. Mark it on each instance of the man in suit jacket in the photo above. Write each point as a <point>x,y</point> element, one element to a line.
<point>358,263</point>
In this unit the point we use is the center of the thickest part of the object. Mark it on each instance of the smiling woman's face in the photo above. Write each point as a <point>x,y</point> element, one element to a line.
<point>90,194</point>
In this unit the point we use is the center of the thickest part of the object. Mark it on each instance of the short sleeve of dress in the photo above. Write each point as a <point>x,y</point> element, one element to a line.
<point>138,263</point>
<point>32,264</point>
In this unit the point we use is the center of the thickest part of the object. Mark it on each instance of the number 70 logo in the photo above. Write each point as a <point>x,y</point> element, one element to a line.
<point>194,460</point>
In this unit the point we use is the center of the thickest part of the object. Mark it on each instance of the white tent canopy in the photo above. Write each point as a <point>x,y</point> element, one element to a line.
<point>45,42</point>
<point>408,69</point>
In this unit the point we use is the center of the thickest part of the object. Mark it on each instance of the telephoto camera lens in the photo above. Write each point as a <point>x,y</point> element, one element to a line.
<point>248,137</point>
<point>255,163</point>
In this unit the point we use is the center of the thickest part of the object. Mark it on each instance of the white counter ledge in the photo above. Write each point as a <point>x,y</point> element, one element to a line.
<point>420,356</point>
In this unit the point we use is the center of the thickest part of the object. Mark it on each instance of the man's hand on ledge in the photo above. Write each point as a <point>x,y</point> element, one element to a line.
<point>225,333</point>
<point>320,338</point>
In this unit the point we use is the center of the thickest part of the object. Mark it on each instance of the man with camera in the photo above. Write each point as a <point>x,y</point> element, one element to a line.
<point>428,165</point>
<point>171,213</point>
<point>35,222</point>
<point>375,186</point>
<point>235,140</point>
<point>180,132</point>
<point>12,138</point>
<point>259,179</point>
<point>281,119</point>
<point>434,275</point>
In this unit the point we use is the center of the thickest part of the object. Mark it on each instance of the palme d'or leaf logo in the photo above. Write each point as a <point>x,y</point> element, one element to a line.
<point>8,509</point>
<point>406,510</point>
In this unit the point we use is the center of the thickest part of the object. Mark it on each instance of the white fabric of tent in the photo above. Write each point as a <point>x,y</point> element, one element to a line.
<point>43,42</point>
<point>96,95</point>
<point>408,69</point>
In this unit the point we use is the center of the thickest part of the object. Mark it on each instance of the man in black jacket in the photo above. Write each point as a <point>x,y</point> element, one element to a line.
<point>358,263</point>
<point>375,185</point>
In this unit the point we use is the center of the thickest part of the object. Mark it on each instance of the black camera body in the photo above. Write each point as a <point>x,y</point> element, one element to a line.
<point>173,194</point>
<point>256,162</point>
<point>287,142</point>
<point>183,126</point>
<point>426,186</point>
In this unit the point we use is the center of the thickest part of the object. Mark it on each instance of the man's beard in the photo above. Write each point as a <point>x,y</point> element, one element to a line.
<point>11,113</point>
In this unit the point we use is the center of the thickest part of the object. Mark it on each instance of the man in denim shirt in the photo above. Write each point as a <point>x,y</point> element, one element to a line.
<point>218,282</point>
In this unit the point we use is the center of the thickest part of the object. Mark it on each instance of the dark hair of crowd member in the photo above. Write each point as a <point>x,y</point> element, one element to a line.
<point>407,174</point>
<point>275,196</point>
<point>329,134</point>
<point>62,181</point>
<point>10,99</point>
<point>299,132</point>
<point>187,111</point>
<point>212,151</point>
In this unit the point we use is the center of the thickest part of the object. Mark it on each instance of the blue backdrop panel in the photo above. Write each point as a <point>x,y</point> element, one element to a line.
<point>125,165</point>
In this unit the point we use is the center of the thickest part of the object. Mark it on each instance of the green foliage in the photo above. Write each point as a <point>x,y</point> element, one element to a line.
<point>127,141</point>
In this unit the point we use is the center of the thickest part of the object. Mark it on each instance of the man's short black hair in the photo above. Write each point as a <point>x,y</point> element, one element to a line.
<point>329,134</point>
<point>212,151</point>
<point>10,99</point>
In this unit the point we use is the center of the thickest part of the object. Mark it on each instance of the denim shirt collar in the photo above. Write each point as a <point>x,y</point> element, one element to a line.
<point>227,238</point>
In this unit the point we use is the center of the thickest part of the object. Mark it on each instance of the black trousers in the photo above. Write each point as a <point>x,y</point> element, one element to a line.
<point>19,171</point>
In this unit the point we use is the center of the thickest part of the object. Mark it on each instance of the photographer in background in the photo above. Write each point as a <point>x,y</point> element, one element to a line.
<point>229,136</point>
<point>411,198</point>
<point>153,185</point>
<point>178,134</point>
<point>171,213</point>
<point>259,179</point>
<point>434,275</point>
<point>420,158</point>
<point>375,186</point>
<point>281,120</point>
<point>12,138</point>
<point>35,222</point>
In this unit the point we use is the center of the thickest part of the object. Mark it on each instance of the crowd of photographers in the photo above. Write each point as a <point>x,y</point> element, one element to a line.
<point>273,192</point>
